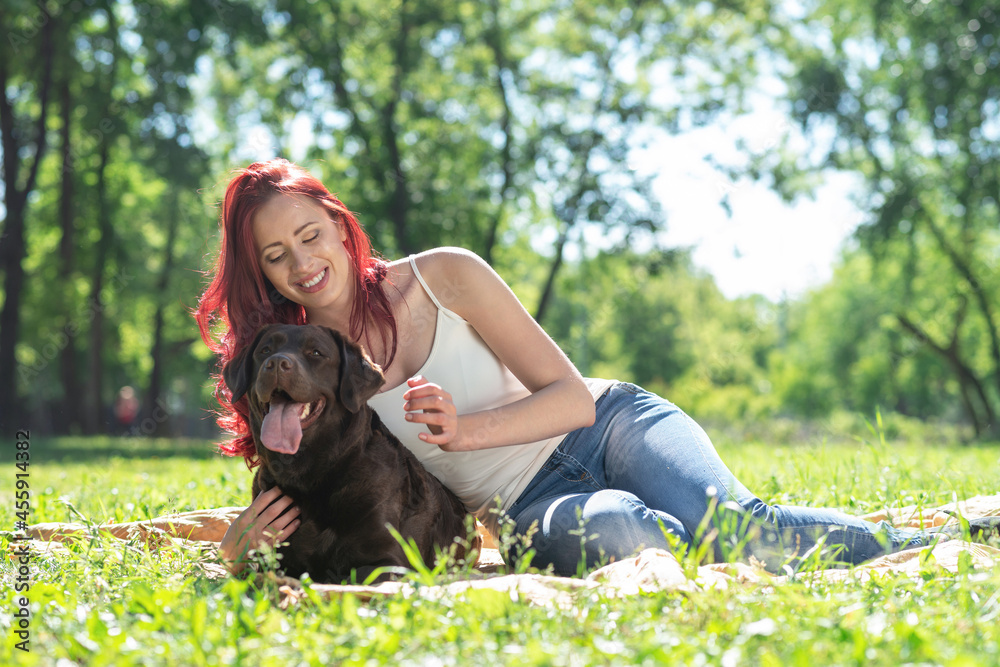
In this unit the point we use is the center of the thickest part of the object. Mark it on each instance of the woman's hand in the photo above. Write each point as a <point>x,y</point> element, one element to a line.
<point>265,521</point>
<point>559,400</point>
<point>427,403</point>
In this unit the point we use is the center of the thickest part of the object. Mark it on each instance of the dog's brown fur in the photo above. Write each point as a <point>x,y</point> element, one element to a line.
<point>350,476</point>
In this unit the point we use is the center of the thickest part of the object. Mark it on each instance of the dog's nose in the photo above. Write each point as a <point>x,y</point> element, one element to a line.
<point>278,362</point>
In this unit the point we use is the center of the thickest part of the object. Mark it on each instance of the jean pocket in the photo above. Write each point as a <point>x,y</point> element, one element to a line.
<point>569,468</point>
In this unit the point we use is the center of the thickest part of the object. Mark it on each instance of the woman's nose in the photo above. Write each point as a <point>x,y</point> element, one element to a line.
<point>300,259</point>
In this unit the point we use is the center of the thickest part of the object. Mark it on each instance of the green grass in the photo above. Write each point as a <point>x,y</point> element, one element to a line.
<point>111,602</point>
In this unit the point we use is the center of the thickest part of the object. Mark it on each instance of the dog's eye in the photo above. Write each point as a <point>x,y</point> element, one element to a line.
<point>264,350</point>
<point>316,353</point>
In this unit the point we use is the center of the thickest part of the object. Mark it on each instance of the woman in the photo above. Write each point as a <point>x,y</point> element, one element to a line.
<point>485,399</point>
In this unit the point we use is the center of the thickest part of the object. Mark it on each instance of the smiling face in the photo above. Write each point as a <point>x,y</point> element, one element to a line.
<point>301,251</point>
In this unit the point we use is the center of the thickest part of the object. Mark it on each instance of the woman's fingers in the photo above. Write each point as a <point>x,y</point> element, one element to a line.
<point>439,421</point>
<point>420,388</point>
<point>441,439</point>
<point>432,405</point>
<point>437,403</point>
<point>428,403</point>
<point>271,517</point>
<point>259,505</point>
<point>430,417</point>
<point>275,521</point>
<point>274,509</point>
<point>283,526</point>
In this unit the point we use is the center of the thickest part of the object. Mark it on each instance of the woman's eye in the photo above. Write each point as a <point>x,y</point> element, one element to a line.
<point>275,259</point>
<point>311,238</point>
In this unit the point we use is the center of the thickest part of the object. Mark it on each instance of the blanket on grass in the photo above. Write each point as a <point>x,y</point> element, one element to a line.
<point>651,570</point>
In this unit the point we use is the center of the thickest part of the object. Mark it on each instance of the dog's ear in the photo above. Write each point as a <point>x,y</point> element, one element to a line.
<point>359,377</point>
<point>238,373</point>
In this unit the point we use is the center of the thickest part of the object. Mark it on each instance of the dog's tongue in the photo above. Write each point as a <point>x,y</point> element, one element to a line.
<point>281,431</point>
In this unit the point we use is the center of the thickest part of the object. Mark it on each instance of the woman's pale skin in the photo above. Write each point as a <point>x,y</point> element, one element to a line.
<point>301,251</point>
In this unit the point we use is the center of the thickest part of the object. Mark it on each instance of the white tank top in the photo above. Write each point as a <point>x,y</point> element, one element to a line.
<point>468,369</point>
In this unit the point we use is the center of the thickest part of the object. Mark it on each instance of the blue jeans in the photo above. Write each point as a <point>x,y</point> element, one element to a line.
<point>645,469</point>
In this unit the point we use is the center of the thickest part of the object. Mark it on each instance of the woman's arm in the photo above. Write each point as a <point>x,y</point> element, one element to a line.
<point>559,402</point>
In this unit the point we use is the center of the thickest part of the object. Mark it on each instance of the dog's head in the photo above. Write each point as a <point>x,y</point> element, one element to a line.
<point>300,379</point>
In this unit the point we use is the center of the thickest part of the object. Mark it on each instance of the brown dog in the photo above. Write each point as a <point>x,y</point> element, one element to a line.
<point>319,442</point>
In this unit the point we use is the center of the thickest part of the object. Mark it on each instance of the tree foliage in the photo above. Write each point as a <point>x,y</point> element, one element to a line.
<point>655,320</point>
<point>486,125</point>
<point>907,94</point>
<point>509,129</point>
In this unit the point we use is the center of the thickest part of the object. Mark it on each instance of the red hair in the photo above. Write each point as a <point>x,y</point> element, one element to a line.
<point>240,299</point>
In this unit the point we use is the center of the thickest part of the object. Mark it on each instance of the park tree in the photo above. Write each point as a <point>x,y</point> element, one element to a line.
<point>843,349</point>
<point>27,69</point>
<point>653,318</point>
<point>107,241</point>
<point>907,95</point>
<point>500,127</point>
<point>467,123</point>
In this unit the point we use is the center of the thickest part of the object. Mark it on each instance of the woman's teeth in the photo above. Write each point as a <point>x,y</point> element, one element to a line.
<point>314,281</point>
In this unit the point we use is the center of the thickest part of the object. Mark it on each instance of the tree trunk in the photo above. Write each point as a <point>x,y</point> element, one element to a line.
<point>982,298</point>
<point>68,370</point>
<point>95,410</point>
<point>349,104</point>
<point>153,401</point>
<point>550,281</point>
<point>400,202</point>
<point>12,246</point>
<point>963,373</point>
<point>567,213</point>
<point>400,198</point>
<point>494,39</point>
<point>96,415</point>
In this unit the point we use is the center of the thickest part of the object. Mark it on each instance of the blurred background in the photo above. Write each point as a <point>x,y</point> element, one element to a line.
<point>767,211</point>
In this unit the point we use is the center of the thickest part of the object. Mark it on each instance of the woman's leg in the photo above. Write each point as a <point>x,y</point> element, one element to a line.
<point>645,468</point>
<point>655,451</point>
<point>568,511</point>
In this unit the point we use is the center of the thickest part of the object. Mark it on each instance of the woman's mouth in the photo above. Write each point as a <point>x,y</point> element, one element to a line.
<point>315,283</point>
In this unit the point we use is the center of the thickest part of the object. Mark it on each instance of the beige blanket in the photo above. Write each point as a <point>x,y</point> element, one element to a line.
<point>651,570</point>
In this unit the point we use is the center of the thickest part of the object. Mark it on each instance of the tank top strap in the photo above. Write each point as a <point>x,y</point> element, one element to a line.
<point>423,283</point>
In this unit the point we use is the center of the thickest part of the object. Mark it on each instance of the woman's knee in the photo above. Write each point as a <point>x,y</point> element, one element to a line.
<point>597,528</point>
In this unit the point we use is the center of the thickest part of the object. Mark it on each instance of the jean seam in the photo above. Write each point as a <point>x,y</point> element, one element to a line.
<point>701,450</point>
<point>624,495</point>
<point>589,475</point>
<point>554,461</point>
<point>854,532</point>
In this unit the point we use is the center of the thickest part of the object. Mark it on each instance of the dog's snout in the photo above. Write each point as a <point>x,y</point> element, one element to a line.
<point>278,362</point>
